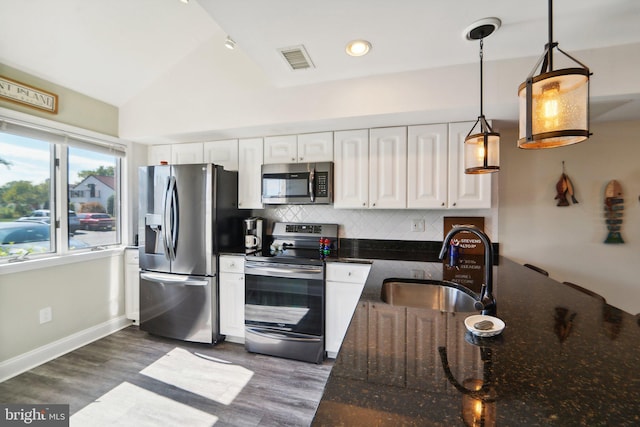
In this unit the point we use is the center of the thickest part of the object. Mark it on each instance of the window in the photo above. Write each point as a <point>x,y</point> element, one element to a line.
<point>97,171</point>
<point>48,180</point>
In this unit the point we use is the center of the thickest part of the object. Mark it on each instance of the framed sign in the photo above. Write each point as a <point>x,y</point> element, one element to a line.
<point>21,93</point>
<point>469,243</point>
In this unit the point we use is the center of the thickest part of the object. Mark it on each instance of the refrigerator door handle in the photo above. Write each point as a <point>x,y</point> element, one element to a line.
<point>168,219</point>
<point>172,279</point>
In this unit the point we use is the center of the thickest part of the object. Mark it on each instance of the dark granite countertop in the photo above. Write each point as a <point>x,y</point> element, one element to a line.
<point>564,358</point>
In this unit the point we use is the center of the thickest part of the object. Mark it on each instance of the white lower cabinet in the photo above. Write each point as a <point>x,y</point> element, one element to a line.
<point>132,284</point>
<point>344,285</point>
<point>232,297</point>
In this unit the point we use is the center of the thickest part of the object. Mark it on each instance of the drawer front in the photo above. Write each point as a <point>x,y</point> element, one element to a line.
<point>232,263</point>
<point>348,272</point>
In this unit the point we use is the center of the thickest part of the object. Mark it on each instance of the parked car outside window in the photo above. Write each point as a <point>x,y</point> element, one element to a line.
<point>42,215</point>
<point>27,237</point>
<point>96,221</point>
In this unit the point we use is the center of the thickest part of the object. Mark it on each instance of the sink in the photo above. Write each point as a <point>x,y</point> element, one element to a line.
<point>430,294</point>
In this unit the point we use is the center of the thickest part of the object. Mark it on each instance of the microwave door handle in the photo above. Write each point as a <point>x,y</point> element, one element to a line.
<point>312,184</point>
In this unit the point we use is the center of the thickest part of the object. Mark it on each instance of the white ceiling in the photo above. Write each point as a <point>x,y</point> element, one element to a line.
<point>112,50</point>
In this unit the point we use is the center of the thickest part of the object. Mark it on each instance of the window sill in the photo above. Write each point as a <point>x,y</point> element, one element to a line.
<point>53,261</point>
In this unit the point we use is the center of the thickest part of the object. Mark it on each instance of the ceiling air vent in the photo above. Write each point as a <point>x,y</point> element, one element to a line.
<point>297,57</point>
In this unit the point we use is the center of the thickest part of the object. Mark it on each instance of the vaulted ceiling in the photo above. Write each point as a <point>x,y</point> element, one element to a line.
<point>112,50</point>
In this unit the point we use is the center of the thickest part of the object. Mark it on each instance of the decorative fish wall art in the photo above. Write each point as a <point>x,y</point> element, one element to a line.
<point>564,187</point>
<point>613,210</point>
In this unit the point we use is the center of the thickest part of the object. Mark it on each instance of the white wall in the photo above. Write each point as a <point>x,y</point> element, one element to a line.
<point>212,96</point>
<point>81,295</point>
<point>568,241</point>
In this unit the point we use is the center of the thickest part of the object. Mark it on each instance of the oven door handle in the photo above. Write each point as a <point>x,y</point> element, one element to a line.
<point>301,272</point>
<point>283,335</point>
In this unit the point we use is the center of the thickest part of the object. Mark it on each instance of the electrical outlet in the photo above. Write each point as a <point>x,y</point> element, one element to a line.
<point>417,225</point>
<point>45,315</point>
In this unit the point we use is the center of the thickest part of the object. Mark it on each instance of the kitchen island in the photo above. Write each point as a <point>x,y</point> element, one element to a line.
<point>565,358</point>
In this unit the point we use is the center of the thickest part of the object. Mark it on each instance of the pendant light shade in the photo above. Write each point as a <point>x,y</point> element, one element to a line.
<point>554,105</point>
<point>482,148</point>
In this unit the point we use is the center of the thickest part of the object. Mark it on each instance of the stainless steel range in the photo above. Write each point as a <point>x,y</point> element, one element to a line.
<point>285,292</point>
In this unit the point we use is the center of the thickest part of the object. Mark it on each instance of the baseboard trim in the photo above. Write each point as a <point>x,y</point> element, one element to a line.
<point>29,360</point>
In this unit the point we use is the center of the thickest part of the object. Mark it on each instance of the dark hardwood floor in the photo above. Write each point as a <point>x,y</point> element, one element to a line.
<point>278,392</point>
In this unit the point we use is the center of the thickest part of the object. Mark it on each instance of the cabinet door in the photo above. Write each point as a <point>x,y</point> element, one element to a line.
<point>342,300</point>
<point>427,169</point>
<point>223,153</point>
<point>281,149</point>
<point>351,169</point>
<point>132,285</point>
<point>388,168</point>
<point>471,191</point>
<point>250,154</point>
<point>354,353</point>
<point>232,304</point>
<point>157,154</point>
<point>426,332</point>
<point>315,147</point>
<point>386,344</point>
<point>182,154</point>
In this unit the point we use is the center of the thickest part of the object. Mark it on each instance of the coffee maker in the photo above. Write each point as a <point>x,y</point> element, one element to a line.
<point>253,235</point>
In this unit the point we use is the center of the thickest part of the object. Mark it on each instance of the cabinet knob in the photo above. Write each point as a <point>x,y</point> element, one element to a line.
<point>232,265</point>
<point>374,205</point>
<point>442,204</point>
<point>454,203</point>
<point>364,204</point>
<point>301,158</point>
<point>349,274</point>
<point>293,159</point>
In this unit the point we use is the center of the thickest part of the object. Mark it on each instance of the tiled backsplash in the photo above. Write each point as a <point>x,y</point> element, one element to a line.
<point>377,223</point>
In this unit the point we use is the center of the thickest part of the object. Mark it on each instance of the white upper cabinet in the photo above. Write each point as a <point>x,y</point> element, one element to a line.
<point>280,149</point>
<point>427,166</point>
<point>315,147</point>
<point>388,168</point>
<point>306,148</point>
<point>156,154</point>
<point>182,154</point>
<point>223,153</point>
<point>351,169</point>
<point>250,155</point>
<point>466,191</point>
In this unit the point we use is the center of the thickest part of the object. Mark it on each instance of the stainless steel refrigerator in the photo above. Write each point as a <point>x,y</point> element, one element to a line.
<point>188,214</point>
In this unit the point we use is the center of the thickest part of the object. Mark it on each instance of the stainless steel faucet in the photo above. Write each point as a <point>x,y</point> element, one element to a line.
<point>487,301</point>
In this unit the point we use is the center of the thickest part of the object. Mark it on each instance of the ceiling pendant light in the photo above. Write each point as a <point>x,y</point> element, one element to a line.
<point>554,105</point>
<point>482,150</point>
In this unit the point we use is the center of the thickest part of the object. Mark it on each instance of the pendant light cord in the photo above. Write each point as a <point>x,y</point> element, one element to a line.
<point>550,49</point>
<point>481,55</point>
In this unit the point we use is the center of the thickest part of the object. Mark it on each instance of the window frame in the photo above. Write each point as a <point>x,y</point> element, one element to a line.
<point>59,194</point>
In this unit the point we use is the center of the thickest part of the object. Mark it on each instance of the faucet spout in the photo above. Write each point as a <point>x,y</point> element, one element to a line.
<point>487,301</point>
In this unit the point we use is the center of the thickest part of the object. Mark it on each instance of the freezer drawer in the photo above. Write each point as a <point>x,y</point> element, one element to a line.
<point>179,306</point>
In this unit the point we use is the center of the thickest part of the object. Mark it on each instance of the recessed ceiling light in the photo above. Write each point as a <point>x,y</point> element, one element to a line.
<point>358,48</point>
<point>229,43</point>
<point>185,1</point>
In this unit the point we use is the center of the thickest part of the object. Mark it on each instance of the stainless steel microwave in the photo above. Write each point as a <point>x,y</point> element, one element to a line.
<point>297,183</point>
